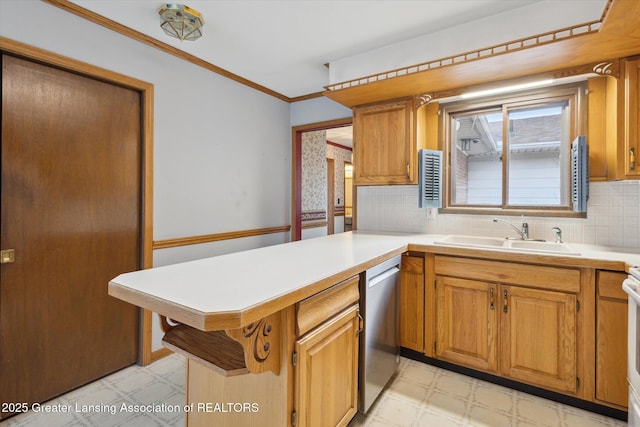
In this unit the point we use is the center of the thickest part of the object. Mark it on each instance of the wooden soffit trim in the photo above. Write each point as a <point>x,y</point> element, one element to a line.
<point>616,35</point>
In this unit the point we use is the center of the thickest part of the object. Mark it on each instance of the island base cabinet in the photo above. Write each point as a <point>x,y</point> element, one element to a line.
<point>253,400</point>
<point>326,373</point>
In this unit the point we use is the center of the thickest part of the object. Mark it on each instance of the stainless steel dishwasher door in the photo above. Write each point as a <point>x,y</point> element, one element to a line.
<point>380,350</point>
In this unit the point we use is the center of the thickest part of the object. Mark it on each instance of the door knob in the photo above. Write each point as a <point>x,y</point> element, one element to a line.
<point>7,256</point>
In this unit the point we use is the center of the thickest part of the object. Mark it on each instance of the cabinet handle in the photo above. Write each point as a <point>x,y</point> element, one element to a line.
<point>408,170</point>
<point>505,307</point>
<point>492,299</point>
<point>360,324</point>
<point>632,159</point>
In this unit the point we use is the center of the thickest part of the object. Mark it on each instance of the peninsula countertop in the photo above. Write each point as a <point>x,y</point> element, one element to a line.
<point>230,291</point>
<point>233,290</point>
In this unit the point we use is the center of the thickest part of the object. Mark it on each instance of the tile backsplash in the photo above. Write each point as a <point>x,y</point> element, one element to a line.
<point>613,216</point>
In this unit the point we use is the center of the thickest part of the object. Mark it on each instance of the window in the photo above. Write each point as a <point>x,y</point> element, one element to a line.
<point>512,154</point>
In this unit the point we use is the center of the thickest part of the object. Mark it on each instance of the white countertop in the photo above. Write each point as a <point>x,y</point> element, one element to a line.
<point>629,256</point>
<point>237,283</point>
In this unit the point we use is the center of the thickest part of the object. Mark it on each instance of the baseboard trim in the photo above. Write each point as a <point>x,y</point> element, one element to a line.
<point>161,353</point>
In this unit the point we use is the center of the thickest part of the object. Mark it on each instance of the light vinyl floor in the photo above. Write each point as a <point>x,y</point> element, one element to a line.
<point>419,395</point>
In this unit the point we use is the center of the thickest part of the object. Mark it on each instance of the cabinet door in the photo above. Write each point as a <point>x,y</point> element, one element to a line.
<point>632,116</point>
<point>384,144</point>
<point>326,376</point>
<point>611,339</point>
<point>412,303</point>
<point>466,322</point>
<point>539,335</point>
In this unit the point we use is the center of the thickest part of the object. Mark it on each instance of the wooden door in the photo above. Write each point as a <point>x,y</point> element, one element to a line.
<point>327,372</point>
<point>412,303</point>
<point>466,322</point>
<point>539,335</point>
<point>71,209</point>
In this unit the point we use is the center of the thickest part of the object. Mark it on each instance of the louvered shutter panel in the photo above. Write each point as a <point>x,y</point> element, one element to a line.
<point>580,174</point>
<point>430,169</point>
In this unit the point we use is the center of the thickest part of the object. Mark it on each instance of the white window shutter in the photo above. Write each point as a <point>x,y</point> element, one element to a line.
<point>430,170</point>
<point>580,173</point>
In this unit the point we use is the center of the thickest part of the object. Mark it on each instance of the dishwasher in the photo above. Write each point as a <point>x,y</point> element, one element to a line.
<point>379,340</point>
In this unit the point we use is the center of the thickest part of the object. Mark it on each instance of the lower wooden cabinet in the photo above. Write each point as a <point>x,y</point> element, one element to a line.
<point>327,372</point>
<point>412,302</point>
<point>532,331</point>
<point>467,321</point>
<point>326,357</point>
<point>611,339</point>
<point>539,337</point>
<point>518,332</point>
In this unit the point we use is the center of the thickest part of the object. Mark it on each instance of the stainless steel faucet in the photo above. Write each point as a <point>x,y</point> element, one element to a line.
<point>558,232</point>
<point>522,232</point>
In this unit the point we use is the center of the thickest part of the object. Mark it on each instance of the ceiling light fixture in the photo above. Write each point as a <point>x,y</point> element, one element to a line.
<point>181,22</point>
<point>505,89</point>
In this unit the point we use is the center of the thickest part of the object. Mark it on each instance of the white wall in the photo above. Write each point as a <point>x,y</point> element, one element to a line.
<point>222,151</point>
<point>317,110</point>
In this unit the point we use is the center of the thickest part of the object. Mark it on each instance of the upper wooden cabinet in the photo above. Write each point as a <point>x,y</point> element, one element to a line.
<point>386,143</point>
<point>613,133</point>
<point>631,117</point>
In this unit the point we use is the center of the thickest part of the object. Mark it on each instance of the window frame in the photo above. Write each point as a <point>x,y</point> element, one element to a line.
<point>574,93</point>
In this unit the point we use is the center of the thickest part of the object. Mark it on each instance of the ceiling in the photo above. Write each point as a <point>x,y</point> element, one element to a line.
<point>342,136</point>
<point>284,45</point>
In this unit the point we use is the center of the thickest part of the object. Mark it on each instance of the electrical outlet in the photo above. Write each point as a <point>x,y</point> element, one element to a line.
<point>431,213</point>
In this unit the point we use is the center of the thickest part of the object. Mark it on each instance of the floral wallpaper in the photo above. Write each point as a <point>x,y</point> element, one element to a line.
<point>315,152</point>
<point>314,171</point>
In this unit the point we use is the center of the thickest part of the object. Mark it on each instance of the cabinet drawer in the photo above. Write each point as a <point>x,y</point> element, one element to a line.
<point>537,276</point>
<point>610,284</point>
<point>322,306</point>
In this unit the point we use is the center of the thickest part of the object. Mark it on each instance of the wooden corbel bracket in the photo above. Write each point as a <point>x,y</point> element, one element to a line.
<point>261,341</point>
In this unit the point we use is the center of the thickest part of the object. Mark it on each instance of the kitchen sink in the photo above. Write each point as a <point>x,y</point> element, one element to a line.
<point>540,246</point>
<point>456,240</point>
<point>535,246</point>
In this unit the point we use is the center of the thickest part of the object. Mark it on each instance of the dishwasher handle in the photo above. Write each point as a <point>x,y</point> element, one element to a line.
<point>383,276</point>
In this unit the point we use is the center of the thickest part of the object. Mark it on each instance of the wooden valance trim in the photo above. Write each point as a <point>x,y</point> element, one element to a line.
<point>495,50</point>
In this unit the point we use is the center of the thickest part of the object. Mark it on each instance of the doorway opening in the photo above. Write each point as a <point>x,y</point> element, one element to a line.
<point>318,199</point>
